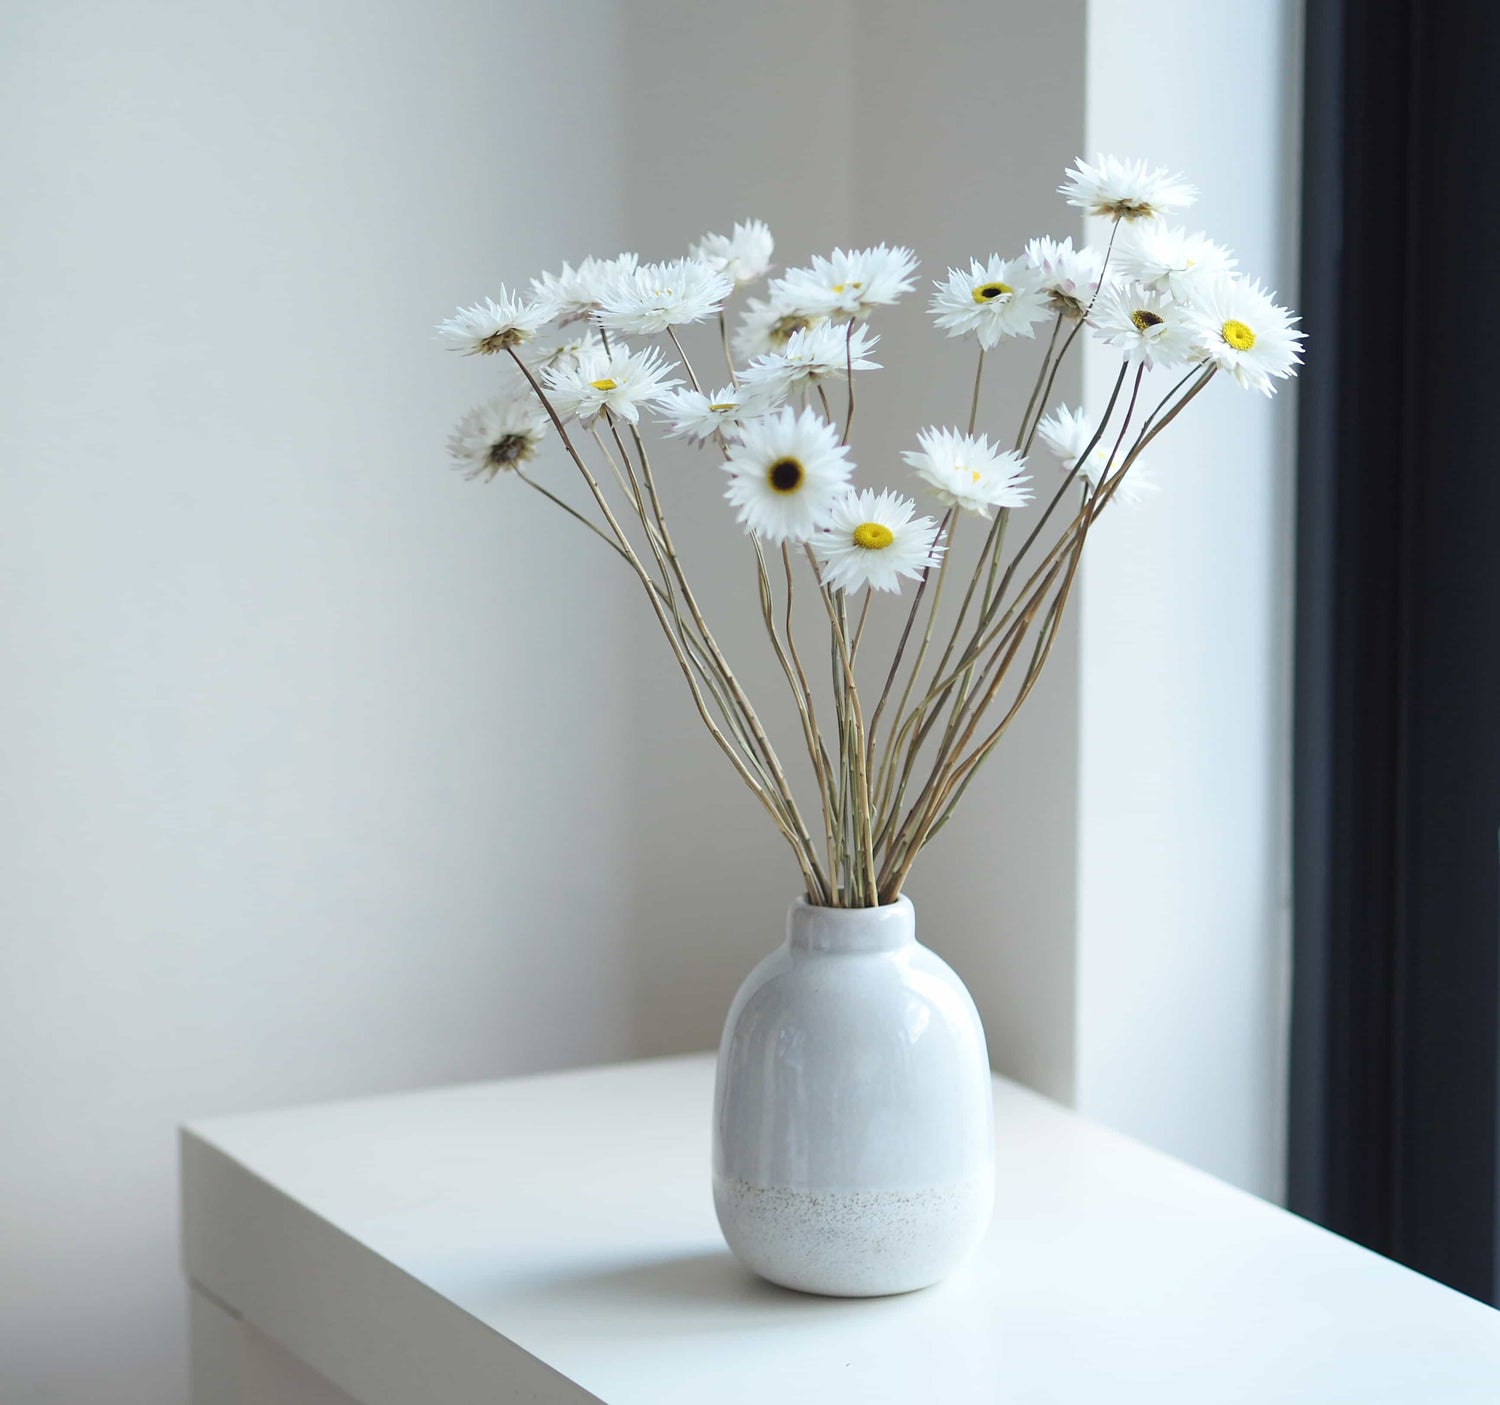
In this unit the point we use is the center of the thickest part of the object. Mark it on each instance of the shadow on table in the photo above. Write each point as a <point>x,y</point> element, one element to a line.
<point>705,1292</point>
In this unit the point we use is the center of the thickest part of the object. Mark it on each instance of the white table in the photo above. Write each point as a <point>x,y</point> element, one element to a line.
<point>553,1240</point>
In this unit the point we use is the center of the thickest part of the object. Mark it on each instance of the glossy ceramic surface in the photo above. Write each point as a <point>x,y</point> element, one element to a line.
<point>853,1128</point>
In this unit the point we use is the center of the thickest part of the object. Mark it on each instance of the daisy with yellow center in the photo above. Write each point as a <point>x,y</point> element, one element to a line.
<point>874,539</point>
<point>995,299</point>
<point>963,471</point>
<point>1237,327</point>
<point>785,474</point>
<point>617,380</point>
<point>690,414</point>
<point>847,284</point>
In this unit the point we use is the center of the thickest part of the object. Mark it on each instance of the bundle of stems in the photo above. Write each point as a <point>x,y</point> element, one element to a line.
<point>882,797</point>
<point>893,742</point>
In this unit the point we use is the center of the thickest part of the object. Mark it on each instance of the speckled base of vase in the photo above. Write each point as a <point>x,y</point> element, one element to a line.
<point>854,1243</point>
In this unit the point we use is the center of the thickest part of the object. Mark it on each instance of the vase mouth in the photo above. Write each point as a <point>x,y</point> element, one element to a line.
<point>810,927</point>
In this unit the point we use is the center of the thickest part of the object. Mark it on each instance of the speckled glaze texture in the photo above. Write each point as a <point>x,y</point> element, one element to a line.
<point>853,1121</point>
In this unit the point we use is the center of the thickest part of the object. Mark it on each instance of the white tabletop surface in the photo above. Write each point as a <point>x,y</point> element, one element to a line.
<point>553,1239</point>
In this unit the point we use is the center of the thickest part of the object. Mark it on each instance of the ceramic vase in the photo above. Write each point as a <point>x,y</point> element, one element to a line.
<point>853,1148</point>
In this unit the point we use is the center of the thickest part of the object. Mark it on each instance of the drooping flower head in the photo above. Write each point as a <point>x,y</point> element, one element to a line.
<point>812,355</point>
<point>1125,190</point>
<point>617,380</point>
<point>493,325</point>
<point>690,414</point>
<point>1149,328</point>
<point>847,284</point>
<point>1238,327</point>
<point>965,472</point>
<point>785,474</point>
<point>998,298</point>
<point>744,255</point>
<point>1170,260</point>
<point>1068,277</point>
<point>649,299</point>
<point>1067,433</point>
<point>872,540</point>
<point>574,293</point>
<point>499,435</point>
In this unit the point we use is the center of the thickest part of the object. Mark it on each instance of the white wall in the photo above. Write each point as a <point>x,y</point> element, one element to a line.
<point>282,756</point>
<point>326,772</point>
<point>1185,658</point>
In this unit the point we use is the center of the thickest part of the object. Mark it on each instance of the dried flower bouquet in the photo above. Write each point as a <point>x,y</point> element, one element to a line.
<point>892,745</point>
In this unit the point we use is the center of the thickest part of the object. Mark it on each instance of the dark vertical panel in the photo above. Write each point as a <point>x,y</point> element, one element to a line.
<point>1396,989</point>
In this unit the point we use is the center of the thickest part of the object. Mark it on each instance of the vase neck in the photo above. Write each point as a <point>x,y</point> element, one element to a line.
<point>851,929</point>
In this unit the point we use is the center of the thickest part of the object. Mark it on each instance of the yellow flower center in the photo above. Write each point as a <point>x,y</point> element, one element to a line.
<point>1238,335</point>
<point>720,407</point>
<point>605,384</point>
<point>785,475</point>
<point>988,292</point>
<point>873,536</point>
<point>844,287</point>
<point>1145,319</point>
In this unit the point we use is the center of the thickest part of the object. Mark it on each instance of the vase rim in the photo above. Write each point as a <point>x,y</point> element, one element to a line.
<point>888,927</point>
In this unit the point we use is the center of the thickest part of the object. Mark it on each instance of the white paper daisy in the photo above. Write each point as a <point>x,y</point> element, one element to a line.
<point>1067,433</point>
<point>965,472</point>
<point>1170,260</point>
<point>813,355</point>
<point>1148,328</point>
<point>847,284</point>
<point>656,296</point>
<point>744,255</point>
<point>690,414</point>
<point>785,474</point>
<point>499,435</point>
<point>873,541</point>
<point>1238,327</point>
<point>766,325</point>
<point>1067,277</point>
<point>574,293</point>
<point>617,380</point>
<point>1125,190</point>
<point>998,298</point>
<point>493,325</point>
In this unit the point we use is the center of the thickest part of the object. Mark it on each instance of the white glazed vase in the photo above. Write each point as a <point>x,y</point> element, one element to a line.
<point>853,1114</point>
